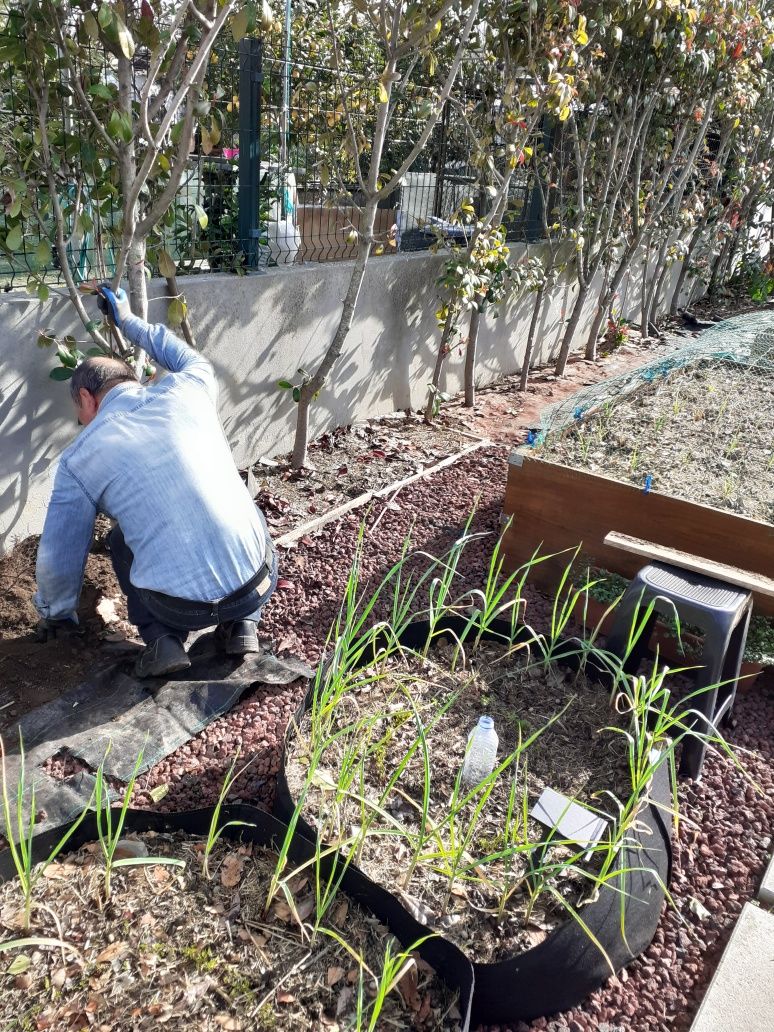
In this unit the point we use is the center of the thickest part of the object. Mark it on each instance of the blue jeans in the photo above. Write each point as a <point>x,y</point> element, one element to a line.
<point>155,614</point>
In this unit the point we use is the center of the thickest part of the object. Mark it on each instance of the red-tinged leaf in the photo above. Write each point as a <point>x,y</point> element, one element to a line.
<point>146,11</point>
<point>285,585</point>
<point>738,50</point>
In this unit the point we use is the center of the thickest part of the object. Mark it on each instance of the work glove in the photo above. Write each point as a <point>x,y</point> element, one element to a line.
<point>114,304</point>
<point>60,630</point>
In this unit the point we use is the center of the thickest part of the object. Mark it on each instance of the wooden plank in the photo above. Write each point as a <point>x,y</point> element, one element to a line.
<point>696,564</point>
<point>556,508</point>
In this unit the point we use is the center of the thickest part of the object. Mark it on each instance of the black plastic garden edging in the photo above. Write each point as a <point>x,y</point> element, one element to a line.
<point>260,828</point>
<point>567,966</point>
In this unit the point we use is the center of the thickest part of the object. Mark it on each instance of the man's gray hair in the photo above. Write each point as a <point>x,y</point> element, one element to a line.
<point>94,375</point>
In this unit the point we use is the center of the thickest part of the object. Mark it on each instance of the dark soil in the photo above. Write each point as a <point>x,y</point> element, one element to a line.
<point>173,949</point>
<point>576,753</point>
<point>349,462</point>
<point>32,673</point>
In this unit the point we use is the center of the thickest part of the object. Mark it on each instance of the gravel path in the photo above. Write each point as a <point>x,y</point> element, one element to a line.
<point>724,837</point>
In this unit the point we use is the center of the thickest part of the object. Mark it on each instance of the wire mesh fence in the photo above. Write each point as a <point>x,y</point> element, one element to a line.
<point>272,177</point>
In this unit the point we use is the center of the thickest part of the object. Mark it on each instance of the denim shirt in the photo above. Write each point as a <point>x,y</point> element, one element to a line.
<point>156,460</point>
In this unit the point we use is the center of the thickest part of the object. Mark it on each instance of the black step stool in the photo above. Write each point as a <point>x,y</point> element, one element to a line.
<point>721,611</point>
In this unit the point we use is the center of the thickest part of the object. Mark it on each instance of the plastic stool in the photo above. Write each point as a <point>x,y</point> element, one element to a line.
<point>721,611</point>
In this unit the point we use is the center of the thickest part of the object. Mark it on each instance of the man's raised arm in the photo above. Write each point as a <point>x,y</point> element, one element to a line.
<point>163,347</point>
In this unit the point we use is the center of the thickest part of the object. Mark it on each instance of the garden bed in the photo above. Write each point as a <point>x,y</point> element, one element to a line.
<point>373,765</point>
<point>702,433</point>
<point>574,755</point>
<point>646,459</point>
<point>349,462</point>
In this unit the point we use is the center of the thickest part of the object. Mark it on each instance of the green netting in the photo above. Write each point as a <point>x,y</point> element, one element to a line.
<point>745,340</point>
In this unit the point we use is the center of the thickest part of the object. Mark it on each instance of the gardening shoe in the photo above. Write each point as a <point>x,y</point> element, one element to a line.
<point>163,656</point>
<point>237,638</point>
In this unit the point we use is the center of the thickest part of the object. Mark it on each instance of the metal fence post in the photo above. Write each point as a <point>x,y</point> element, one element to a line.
<point>250,79</point>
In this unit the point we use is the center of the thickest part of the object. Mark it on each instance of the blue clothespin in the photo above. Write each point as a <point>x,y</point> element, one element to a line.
<point>578,413</point>
<point>648,483</point>
<point>531,437</point>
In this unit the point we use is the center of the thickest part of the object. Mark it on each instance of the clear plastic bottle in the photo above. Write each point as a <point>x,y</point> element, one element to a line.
<point>482,752</point>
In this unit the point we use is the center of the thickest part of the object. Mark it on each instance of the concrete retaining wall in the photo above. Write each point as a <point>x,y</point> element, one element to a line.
<point>256,330</point>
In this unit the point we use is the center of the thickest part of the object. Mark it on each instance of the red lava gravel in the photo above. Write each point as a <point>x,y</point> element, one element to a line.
<point>724,836</point>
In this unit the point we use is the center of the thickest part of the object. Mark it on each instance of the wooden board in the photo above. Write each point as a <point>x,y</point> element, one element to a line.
<point>556,508</point>
<point>694,563</point>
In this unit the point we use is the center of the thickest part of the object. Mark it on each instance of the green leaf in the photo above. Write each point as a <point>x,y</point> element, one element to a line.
<point>239,25</point>
<point>296,394</point>
<point>105,16</point>
<point>119,126</point>
<point>13,240</point>
<point>19,966</point>
<point>45,338</point>
<point>66,357</point>
<point>176,311</point>
<point>43,292</point>
<point>167,267</point>
<point>43,253</point>
<point>99,89</point>
<point>91,25</point>
<point>201,215</point>
<point>61,373</point>
<point>15,208</point>
<point>285,385</point>
<point>95,353</point>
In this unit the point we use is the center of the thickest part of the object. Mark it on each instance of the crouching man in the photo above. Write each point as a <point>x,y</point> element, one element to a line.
<point>190,548</point>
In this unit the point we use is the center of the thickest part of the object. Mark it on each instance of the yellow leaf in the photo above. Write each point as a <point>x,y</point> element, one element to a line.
<point>167,266</point>
<point>239,25</point>
<point>384,96</point>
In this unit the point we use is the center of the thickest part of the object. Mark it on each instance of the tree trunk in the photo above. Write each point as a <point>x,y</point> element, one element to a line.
<point>599,315</point>
<point>716,265</point>
<point>654,306</point>
<point>596,327</point>
<point>536,308</point>
<point>650,308</point>
<point>470,358</point>
<point>569,333</point>
<point>674,305</point>
<point>443,350</point>
<point>315,384</point>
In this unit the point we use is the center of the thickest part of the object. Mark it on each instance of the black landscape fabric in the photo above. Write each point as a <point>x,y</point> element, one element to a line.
<point>114,708</point>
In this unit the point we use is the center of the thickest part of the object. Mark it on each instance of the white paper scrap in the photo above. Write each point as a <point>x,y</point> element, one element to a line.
<point>571,820</point>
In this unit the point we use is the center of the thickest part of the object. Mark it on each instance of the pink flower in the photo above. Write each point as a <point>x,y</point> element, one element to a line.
<point>230,152</point>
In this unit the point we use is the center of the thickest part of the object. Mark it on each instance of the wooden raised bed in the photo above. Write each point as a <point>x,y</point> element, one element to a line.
<point>554,508</point>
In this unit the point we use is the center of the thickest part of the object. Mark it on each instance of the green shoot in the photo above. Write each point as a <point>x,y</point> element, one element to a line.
<point>21,833</point>
<point>110,828</point>
<point>215,829</point>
